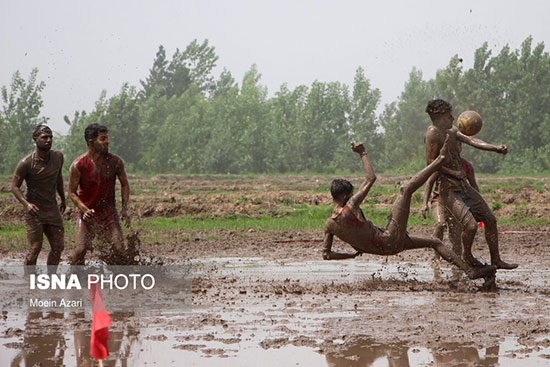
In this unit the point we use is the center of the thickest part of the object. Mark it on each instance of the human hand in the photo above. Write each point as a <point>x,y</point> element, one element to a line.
<point>460,175</point>
<point>357,147</point>
<point>503,149</point>
<point>358,253</point>
<point>87,213</point>
<point>62,206</point>
<point>125,217</point>
<point>32,209</point>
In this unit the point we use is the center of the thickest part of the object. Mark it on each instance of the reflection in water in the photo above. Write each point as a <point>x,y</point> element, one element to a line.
<point>42,350</point>
<point>47,340</point>
<point>367,352</point>
<point>460,354</point>
<point>52,349</point>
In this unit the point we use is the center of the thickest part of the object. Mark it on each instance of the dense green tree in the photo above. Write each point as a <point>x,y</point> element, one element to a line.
<point>184,120</point>
<point>21,104</point>
<point>405,124</point>
<point>157,80</point>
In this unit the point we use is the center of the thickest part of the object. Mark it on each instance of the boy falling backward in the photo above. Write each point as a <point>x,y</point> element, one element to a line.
<point>348,222</point>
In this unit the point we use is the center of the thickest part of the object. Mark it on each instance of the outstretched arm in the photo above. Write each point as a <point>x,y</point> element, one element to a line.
<point>327,250</point>
<point>480,144</point>
<point>370,177</point>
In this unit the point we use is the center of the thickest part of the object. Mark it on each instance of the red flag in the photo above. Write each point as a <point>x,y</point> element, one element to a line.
<point>100,325</point>
<point>481,224</point>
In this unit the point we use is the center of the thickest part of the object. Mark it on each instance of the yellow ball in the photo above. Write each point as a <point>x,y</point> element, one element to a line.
<point>469,123</point>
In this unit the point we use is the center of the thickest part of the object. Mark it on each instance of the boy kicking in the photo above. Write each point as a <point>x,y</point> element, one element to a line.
<point>348,222</point>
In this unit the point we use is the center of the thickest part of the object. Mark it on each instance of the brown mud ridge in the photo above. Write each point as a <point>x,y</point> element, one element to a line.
<point>218,195</point>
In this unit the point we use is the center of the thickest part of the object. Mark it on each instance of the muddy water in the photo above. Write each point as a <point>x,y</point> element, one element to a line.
<point>150,346</point>
<point>360,313</point>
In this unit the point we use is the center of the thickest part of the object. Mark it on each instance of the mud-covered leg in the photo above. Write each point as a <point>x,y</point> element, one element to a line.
<point>82,241</point>
<point>35,237</point>
<point>439,227</point>
<point>448,254</point>
<point>56,236</point>
<point>455,237</point>
<point>399,215</point>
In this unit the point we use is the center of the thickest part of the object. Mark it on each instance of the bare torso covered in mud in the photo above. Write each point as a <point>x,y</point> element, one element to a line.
<point>453,162</point>
<point>358,231</point>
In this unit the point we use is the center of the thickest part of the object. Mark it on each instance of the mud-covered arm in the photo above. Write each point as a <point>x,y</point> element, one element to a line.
<point>124,190</point>
<point>370,177</point>
<point>328,254</point>
<point>480,144</point>
<point>60,190</point>
<point>16,182</point>
<point>428,187</point>
<point>433,146</point>
<point>74,181</point>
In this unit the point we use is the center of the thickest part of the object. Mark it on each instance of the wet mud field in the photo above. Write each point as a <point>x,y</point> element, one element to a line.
<point>264,296</point>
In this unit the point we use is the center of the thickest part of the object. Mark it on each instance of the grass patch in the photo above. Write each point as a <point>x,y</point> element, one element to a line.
<point>297,219</point>
<point>13,236</point>
<point>525,222</point>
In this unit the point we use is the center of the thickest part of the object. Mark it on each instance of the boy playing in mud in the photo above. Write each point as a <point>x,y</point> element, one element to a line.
<point>348,222</point>
<point>442,216</point>
<point>42,172</point>
<point>96,172</point>
<point>456,194</point>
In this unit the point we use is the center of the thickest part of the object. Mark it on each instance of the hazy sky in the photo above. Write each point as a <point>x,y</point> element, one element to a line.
<point>83,47</point>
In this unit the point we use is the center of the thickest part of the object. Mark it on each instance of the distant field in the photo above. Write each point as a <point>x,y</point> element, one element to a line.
<point>168,204</point>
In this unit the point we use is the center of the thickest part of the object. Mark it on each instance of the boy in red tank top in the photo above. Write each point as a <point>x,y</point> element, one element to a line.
<point>95,172</point>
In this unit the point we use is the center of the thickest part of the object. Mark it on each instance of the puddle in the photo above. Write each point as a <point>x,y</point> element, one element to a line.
<point>26,345</point>
<point>255,311</point>
<point>352,270</point>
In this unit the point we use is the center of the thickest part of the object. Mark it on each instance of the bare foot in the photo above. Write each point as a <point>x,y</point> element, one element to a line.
<point>472,261</point>
<point>503,265</point>
<point>486,271</point>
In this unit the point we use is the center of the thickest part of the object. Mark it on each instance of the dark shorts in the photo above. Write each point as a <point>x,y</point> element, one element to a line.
<point>468,202</point>
<point>36,223</point>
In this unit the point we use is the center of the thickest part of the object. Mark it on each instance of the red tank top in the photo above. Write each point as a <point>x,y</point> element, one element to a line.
<point>97,187</point>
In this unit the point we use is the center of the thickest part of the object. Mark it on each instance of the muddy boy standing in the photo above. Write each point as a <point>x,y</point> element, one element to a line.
<point>457,195</point>
<point>95,172</point>
<point>41,170</point>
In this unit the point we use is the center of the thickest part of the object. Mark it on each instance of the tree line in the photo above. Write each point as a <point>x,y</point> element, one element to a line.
<point>183,119</point>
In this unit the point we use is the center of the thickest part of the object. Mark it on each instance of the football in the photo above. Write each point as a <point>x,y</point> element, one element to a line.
<point>469,123</point>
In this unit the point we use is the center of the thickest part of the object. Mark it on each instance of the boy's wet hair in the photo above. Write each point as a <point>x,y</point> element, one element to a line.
<point>39,129</point>
<point>438,106</point>
<point>93,130</point>
<point>340,187</point>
